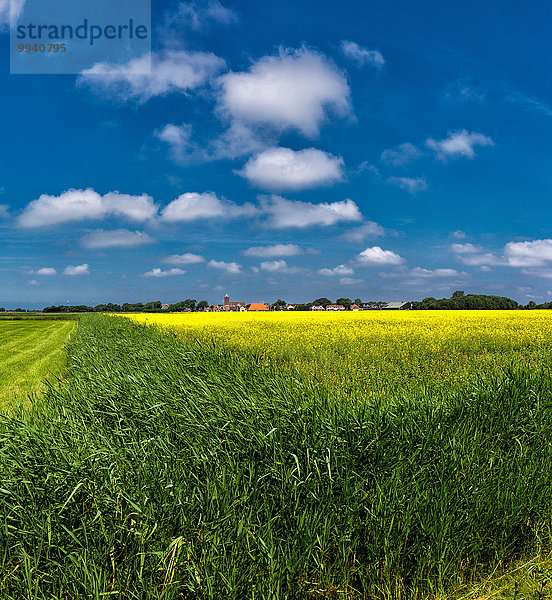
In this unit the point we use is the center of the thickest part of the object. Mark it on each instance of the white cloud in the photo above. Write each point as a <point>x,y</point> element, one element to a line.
<point>275,250</point>
<point>458,234</point>
<point>4,211</point>
<point>377,256</point>
<point>350,281</point>
<point>428,273</point>
<point>197,17</point>
<point>362,56</point>
<point>401,155</point>
<point>409,184</point>
<point>229,267</point>
<point>46,271</point>
<point>118,238</point>
<point>459,143</point>
<point>466,249</point>
<point>159,273</point>
<point>143,78</point>
<point>297,90</point>
<point>238,140</point>
<point>179,140</point>
<point>183,259</point>
<point>192,206</point>
<point>77,270</point>
<point>528,254</point>
<point>359,234</point>
<point>32,282</point>
<point>80,205</point>
<point>286,169</point>
<point>339,270</point>
<point>279,266</point>
<point>284,213</point>
<point>475,256</point>
<point>544,273</point>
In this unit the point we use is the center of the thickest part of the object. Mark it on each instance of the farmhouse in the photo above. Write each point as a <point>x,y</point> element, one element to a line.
<point>317,307</point>
<point>397,306</point>
<point>335,307</point>
<point>257,306</point>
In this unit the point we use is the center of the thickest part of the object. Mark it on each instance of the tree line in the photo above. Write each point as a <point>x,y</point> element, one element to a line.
<point>458,301</point>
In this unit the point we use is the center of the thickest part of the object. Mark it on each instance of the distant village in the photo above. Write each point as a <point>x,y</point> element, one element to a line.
<point>322,304</point>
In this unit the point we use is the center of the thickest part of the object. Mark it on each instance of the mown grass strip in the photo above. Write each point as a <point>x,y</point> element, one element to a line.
<point>30,351</point>
<point>163,469</point>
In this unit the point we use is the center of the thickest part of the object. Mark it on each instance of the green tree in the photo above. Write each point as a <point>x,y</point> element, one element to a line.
<point>279,304</point>
<point>202,305</point>
<point>458,294</point>
<point>358,301</point>
<point>321,302</point>
<point>346,302</point>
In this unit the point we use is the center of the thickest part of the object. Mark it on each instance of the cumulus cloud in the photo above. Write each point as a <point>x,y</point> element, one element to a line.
<point>339,270</point>
<point>295,90</point>
<point>183,259</point>
<point>166,72</point>
<point>229,267</point>
<point>401,155</point>
<point>279,266</point>
<point>377,256</point>
<point>458,143</point>
<point>475,256</point>
<point>284,213</point>
<point>458,234</point>
<point>192,206</point>
<point>77,270</point>
<point>80,205</point>
<point>409,184</point>
<point>528,254</point>
<point>272,251</point>
<point>46,271</point>
<point>160,273</point>
<point>359,234</point>
<point>118,238</point>
<point>362,56</point>
<point>286,169</point>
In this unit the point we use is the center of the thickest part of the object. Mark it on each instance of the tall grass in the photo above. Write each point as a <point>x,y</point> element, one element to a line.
<point>166,469</point>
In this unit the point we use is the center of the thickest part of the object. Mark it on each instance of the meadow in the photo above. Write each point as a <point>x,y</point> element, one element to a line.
<point>208,456</point>
<point>30,350</point>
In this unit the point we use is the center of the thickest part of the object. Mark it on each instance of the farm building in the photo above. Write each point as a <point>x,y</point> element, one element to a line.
<point>257,306</point>
<point>397,306</point>
<point>335,307</point>
<point>355,307</point>
<point>317,307</point>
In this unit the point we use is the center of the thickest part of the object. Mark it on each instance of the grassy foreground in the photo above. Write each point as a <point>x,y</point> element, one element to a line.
<point>165,469</point>
<point>29,351</point>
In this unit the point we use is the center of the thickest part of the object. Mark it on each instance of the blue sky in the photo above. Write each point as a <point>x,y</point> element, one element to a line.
<point>385,150</point>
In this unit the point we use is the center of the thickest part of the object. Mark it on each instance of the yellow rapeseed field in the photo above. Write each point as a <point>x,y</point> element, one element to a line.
<point>373,351</point>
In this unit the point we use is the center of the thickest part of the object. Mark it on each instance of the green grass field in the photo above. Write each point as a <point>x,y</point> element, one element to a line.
<point>169,469</point>
<point>30,351</point>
